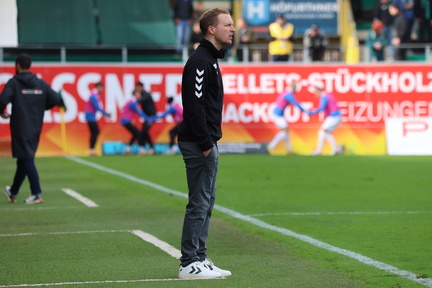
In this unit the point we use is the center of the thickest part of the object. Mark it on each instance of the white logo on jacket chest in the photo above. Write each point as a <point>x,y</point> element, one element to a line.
<point>198,83</point>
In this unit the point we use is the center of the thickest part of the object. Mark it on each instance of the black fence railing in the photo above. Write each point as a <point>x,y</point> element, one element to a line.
<point>250,54</point>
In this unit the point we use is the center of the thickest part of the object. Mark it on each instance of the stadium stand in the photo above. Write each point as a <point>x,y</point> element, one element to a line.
<point>112,31</point>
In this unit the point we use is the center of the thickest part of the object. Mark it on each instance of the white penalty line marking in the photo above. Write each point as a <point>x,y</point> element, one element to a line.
<point>356,256</point>
<point>164,246</point>
<point>86,201</point>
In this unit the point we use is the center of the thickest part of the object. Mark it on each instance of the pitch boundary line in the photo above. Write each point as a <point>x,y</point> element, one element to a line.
<point>317,243</point>
<point>63,233</point>
<point>28,208</point>
<point>89,282</point>
<point>339,213</point>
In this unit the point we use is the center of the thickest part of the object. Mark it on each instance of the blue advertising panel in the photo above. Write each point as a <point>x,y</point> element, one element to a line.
<point>301,13</point>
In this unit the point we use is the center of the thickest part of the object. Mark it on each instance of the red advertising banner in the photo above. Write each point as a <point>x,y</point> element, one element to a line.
<point>367,95</point>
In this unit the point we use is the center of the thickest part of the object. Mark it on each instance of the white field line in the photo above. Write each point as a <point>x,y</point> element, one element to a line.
<point>86,201</point>
<point>143,235</point>
<point>170,250</point>
<point>356,256</point>
<point>28,208</point>
<point>164,246</point>
<point>339,213</point>
<point>158,243</point>
<point>63,233</point>
<point>88,282</point>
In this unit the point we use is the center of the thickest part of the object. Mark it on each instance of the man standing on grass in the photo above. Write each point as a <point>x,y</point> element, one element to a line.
<point>202,97</point>
<point>30,97</point>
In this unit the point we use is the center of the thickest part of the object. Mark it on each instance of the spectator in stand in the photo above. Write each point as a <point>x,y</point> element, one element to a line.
<point>357,9</point>
<point>129,110</point>
<point>183,18</point>
<point>93,106</point>
<point>199,10</point>
<point>281,37</point>
<point>176,111</point>
<point>315,41</point>
<point>381,12</point>
<point>376,41</point>
<point>243,37</point>
<point>195,36</point>
<point>402,32</point>
<point>407,7</point>
<point>423,14</point>
<point>149,108</point>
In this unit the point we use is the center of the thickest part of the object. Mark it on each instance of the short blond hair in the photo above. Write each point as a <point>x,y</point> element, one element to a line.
<point>210,18</point>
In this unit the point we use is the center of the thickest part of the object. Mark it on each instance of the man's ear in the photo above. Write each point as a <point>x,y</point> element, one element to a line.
<point>211,30</point>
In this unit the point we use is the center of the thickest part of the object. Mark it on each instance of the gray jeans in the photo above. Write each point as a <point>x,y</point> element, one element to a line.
<point>201,175</point>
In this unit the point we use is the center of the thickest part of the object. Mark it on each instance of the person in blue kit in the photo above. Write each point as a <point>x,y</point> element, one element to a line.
<point>129,110</point>
<point>176,111</point>
<point>282,102</point>
<point>201,128</point>
<point>93,106</point>
<point>333,118</point>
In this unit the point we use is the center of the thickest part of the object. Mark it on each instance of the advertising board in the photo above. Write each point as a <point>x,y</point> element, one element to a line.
<point>367,94</point>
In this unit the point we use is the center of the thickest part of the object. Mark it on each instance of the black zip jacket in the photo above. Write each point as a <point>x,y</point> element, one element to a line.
<point>30,97</point>
<point>147,104</point>
<point>202,97</point>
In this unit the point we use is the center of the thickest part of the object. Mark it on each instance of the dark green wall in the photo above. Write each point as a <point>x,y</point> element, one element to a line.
<point>92,22</point>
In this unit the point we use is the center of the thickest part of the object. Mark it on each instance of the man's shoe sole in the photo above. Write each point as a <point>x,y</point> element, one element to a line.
<point>195,277</point>
<point>39,201</point>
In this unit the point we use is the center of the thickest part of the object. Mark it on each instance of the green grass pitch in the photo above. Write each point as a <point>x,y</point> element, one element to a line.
<point>375,207</point>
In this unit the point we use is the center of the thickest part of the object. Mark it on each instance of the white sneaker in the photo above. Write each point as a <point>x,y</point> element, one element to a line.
<point>33,199</point>
<point>170,151</point>
<point>270,150</point>
<point>209,264</point>
<point>340,149</point>
<point>197,270</point>
<point>11,198</point>
<point>127,150</point>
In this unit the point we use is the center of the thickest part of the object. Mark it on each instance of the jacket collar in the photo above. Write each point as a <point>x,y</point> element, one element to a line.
<point>212,49</point>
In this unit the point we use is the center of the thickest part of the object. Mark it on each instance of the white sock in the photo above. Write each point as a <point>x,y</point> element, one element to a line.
<point>277,138</point>
<point>288,142</point>
<point>320,143</point>
<point>331,140</point>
